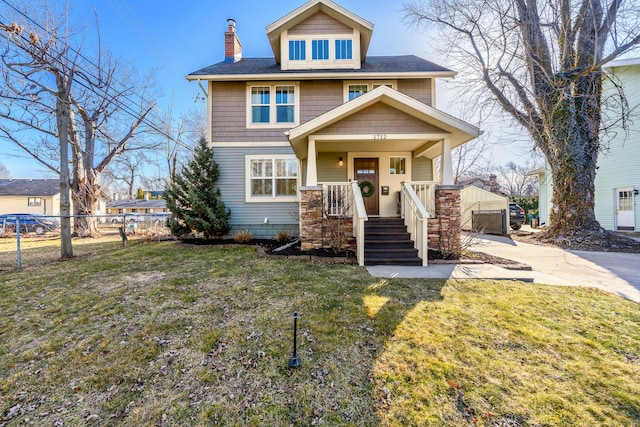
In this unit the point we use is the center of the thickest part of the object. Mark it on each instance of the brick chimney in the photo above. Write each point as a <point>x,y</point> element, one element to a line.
<point>232,46</point>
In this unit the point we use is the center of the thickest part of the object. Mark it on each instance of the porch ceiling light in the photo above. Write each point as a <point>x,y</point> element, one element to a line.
<point>340,162</point>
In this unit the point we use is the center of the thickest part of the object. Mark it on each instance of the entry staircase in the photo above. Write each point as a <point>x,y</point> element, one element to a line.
<point>387,242</point>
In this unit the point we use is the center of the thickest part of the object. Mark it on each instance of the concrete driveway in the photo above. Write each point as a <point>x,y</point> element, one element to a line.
<point>614,272</point>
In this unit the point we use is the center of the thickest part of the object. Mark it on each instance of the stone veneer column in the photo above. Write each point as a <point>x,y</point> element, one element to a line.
<point>444,230</point>
<point>310,217</point>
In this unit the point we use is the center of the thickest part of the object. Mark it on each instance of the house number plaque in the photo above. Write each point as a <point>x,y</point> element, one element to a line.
<point>380,136</point>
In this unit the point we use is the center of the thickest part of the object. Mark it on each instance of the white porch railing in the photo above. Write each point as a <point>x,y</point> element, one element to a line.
<point>338,200</point>
<point>415,218</point>
<point>426,193</point>
<point>345,199</point>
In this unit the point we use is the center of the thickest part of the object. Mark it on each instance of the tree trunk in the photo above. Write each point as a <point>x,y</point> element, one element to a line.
<point>63,107</point>
<point>573,154</point>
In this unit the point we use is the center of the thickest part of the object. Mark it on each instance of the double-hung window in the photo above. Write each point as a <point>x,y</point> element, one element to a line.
<point>272,105</point>
<point>352,90</point>
<point>34,201</point>
<point>260,104</point>
<point>272,179</point>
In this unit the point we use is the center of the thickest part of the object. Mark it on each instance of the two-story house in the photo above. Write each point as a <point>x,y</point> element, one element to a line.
<point>321,130</point>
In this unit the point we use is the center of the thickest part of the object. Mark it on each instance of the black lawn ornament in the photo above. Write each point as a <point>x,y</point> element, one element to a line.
<point>294,361</point>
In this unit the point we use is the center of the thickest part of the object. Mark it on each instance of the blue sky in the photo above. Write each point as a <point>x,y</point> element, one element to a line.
<point>179,37</point>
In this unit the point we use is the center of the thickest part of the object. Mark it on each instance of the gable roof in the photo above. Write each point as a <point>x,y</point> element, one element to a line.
<point>374,67</point>
<point>460,131</point>
<point>312,7</point>
<point>29,187</point>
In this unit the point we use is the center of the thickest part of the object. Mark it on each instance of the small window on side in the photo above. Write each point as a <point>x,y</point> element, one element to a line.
<point>397,166</point>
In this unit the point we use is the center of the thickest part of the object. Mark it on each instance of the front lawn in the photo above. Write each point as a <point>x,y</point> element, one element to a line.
<point>169,334</point>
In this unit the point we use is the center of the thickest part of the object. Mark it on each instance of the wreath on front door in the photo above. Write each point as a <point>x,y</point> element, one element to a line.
<point>366,188</point>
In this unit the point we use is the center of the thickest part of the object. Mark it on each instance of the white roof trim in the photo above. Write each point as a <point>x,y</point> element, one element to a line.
<point>393,98</point>
<point>621,63</point>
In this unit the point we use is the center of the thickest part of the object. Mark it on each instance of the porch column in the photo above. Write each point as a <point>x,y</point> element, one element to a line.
<point>312,169</point>
<point>446,164</point>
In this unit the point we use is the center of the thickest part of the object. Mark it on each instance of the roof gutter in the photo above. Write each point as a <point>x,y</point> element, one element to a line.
<point>321,76</point>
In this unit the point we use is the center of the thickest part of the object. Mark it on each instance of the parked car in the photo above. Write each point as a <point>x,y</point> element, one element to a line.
<point>29,223</point>
<point>516,215</point>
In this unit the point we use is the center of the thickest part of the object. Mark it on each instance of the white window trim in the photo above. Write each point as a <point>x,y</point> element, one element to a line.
<point>405,165</point>
<point>332,62</point>
<point>247,179</point>
<point>272,106</point>
<point>370,85</point>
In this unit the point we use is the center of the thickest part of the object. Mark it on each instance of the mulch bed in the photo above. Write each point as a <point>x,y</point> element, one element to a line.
<point>601,240</point>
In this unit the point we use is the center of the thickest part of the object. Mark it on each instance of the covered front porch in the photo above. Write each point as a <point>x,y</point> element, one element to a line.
<point>382,155</point>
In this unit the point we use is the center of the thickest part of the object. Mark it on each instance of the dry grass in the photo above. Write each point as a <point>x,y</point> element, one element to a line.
<point>172,334</point>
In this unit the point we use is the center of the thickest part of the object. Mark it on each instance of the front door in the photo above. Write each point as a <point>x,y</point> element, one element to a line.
<point>366,173</point>
<point>624,209</point>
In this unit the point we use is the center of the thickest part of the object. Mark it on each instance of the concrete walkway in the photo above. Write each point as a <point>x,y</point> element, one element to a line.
<point>614,272</point>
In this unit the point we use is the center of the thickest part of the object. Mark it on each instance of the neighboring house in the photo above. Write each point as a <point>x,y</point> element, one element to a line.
<point>40,196</point>
<point>137,207</point>
<point>618,175</point>
<point>491,184</point>
<point>296,133</point>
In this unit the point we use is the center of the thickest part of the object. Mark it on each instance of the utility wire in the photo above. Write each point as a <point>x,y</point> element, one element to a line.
<point>125,108</point>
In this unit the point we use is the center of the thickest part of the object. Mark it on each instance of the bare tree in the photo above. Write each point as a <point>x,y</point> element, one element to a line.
<point>127,169</point>
<point>516,180</point>
<point>4,172</point>
<point>96,108</point>
<point>542,63</point>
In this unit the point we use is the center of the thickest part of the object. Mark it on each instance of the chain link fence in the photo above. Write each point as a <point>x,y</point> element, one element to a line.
<point>31,239</point>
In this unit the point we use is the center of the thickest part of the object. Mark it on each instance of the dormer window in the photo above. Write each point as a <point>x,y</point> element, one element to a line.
<point>297,50</point>
<point>344,49</point>
<point>320,50</point>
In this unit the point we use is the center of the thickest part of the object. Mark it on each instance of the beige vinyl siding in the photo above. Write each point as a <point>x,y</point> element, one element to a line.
<point>422,169</point>
<point>380,118</point>
<point>229,110</point>
<point>318,97</point>
<point>419,89</point>
<point>50,205</point>
<point>328,169</point>
<point>320,24</point>
<point>250,216</point>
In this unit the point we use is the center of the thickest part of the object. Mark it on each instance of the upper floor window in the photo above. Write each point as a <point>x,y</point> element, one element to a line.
<point>273,105</point>
<point>297,50</point>
<point>353,90</point>
<point>320,49</point>
<point>34,201</point>
<point>344,49</point>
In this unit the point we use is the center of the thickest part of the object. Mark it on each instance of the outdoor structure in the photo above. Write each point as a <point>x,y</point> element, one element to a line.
<point>618,176</point>
<point>474,199</point>
<point>321,138</point>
